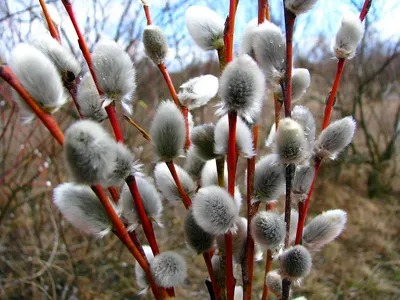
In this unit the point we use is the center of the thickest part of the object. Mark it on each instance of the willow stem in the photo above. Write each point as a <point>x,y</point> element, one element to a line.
<point>47,119</point>
<point>303,211</point>
<point>290,19</point>
<point>52,28</point>
<point>207,260</point>
<point>268,265</point>
<point>185,198</point>
<point>332,95</point>
<point>123,235</point>
<point>144,219</point>
<point>248,263</point>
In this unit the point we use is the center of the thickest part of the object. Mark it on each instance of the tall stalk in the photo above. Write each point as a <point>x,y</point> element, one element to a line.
<point>303,207</point>
<point>290,19</point>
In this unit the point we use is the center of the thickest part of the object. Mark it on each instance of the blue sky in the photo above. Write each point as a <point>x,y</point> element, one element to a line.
<point>324,20</point>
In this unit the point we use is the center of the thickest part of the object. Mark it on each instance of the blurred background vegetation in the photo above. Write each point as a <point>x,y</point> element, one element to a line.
<point>43,257</point>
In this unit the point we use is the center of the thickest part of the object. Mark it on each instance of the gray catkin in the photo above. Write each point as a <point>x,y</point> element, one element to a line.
<point>38,75</point>
<point>168,131</point>
<point>295,262</point>
<point>268,230</point>
<point>81,207</point>
<point>242,87</point>
<point>89,152</point>
<point>123,166</point>
<point>324,228</point>
<point>62,58</point>
<point>303,116</point>
<point>202,138</point>
<point>114,70</point>
<point>198,239</point>
<point>269,178</point>
<point>168,269</point>
<point>89,100</point>
<point>290,142</point>
<point>270,50</point>
<point>155,44</point>
<point>214,210</point>
<point>333,139</point>
<point>303,177</point>
<point>193,164</point>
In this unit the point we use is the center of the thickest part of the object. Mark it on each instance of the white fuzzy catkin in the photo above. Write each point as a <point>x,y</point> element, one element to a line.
<point>202,138</point>
<point>299,6</point>
<point>348,36</point>
<point>140,275</point>
<point>303,116</point>
<point>151,200</point>
<point>205,26</point>
<point>274,283</point>
<point>302,180</point>
<point>168,269</point>
<point>93,157</point>
<point>244,138</point>
<point>209,176</point>
<point>324,228</point>
<point>268,230</point>
<point>89,100</point>
<point>295,262</point>
<point>62,58</point>
<point>123,166</point>
<point>38,75</point>
<point>246,44</point>
<point>197,239</point>
<point>242,89</point>
<point>300,82</point>
<point>167,186</point>
<point>214,210</point>
<point>114,71</point>
<point>193,164</point>
<point>269,178</point>
<point>290,142</point>
<point>168,131</point>
<point>198,91</point>
<point>294,219</point>
<point>155,44</point>
<point>270,51</point>
<point>81,207</point>
<point>333,139</point>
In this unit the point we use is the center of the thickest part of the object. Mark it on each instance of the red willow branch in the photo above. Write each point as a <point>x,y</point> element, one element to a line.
<point>48,121</point>
<point>110,109</point>
<point>248,264</point>
<point>303,207</point>
<point>290,19</point>
<point>164,71</point>
<point>144,219</point>
<point>123,235</point>
<point>53,30</point>
<point>56,132</point>
<point>231,157</point>
<point>270,206</point>
<point>185,198</point>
